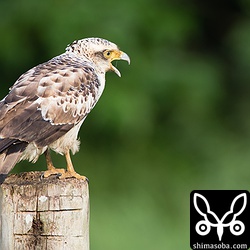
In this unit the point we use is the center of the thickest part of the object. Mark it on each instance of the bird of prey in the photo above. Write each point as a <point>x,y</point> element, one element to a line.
<point>47,105</point>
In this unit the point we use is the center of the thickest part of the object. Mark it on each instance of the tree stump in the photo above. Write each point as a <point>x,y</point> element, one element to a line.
<point>38,213</point>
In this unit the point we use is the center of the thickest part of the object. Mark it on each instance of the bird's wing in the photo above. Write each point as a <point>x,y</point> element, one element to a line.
<point>48,100</point>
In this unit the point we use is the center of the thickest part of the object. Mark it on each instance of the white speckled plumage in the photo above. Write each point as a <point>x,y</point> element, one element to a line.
<point>47,105</point>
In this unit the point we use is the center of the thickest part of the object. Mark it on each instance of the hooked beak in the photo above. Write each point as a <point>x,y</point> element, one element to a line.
<point>119,55</point>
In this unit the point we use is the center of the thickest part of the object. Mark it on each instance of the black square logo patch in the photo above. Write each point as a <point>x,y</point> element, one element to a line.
<point>219,219</point>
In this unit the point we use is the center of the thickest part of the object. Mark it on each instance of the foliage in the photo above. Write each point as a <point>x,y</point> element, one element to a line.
<point>177,120</point>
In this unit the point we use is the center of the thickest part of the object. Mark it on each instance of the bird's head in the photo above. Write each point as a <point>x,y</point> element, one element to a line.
<point>100,52</point>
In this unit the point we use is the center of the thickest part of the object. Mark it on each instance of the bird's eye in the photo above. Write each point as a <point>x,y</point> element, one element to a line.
<point>107,53</point>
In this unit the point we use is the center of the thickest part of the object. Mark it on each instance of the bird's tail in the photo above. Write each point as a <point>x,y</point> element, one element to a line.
<point>10,153</point>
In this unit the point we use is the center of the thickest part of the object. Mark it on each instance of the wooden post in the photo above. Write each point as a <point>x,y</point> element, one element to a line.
<point>44,214</point>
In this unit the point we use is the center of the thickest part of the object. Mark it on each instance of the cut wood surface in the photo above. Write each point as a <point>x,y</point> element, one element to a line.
<point>38,213</point>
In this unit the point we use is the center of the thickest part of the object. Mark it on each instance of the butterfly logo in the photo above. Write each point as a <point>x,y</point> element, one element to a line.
<point>210,219</point>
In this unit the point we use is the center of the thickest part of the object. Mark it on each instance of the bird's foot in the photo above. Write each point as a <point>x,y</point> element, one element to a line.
<point>73,174</point>
<point>52,171</point>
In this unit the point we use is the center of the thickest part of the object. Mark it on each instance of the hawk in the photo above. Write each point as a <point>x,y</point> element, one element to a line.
<point>47,105</point>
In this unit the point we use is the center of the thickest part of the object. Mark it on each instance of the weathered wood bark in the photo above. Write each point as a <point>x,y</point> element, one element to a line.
<point>43,213</point>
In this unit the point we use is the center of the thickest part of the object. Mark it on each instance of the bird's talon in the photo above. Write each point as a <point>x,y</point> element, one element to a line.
<point>68,174</point>
<point>54,171</point>
<point>42,176</point>
<point>58,175</point>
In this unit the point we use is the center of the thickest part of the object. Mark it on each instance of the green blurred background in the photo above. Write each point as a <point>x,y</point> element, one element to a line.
<point>176,121</point>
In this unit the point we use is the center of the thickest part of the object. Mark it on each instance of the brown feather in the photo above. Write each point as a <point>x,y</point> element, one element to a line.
<point>47,105</point>
<point>11,154</point>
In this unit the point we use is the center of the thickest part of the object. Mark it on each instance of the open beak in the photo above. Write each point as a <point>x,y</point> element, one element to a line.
<point>119,55</point>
